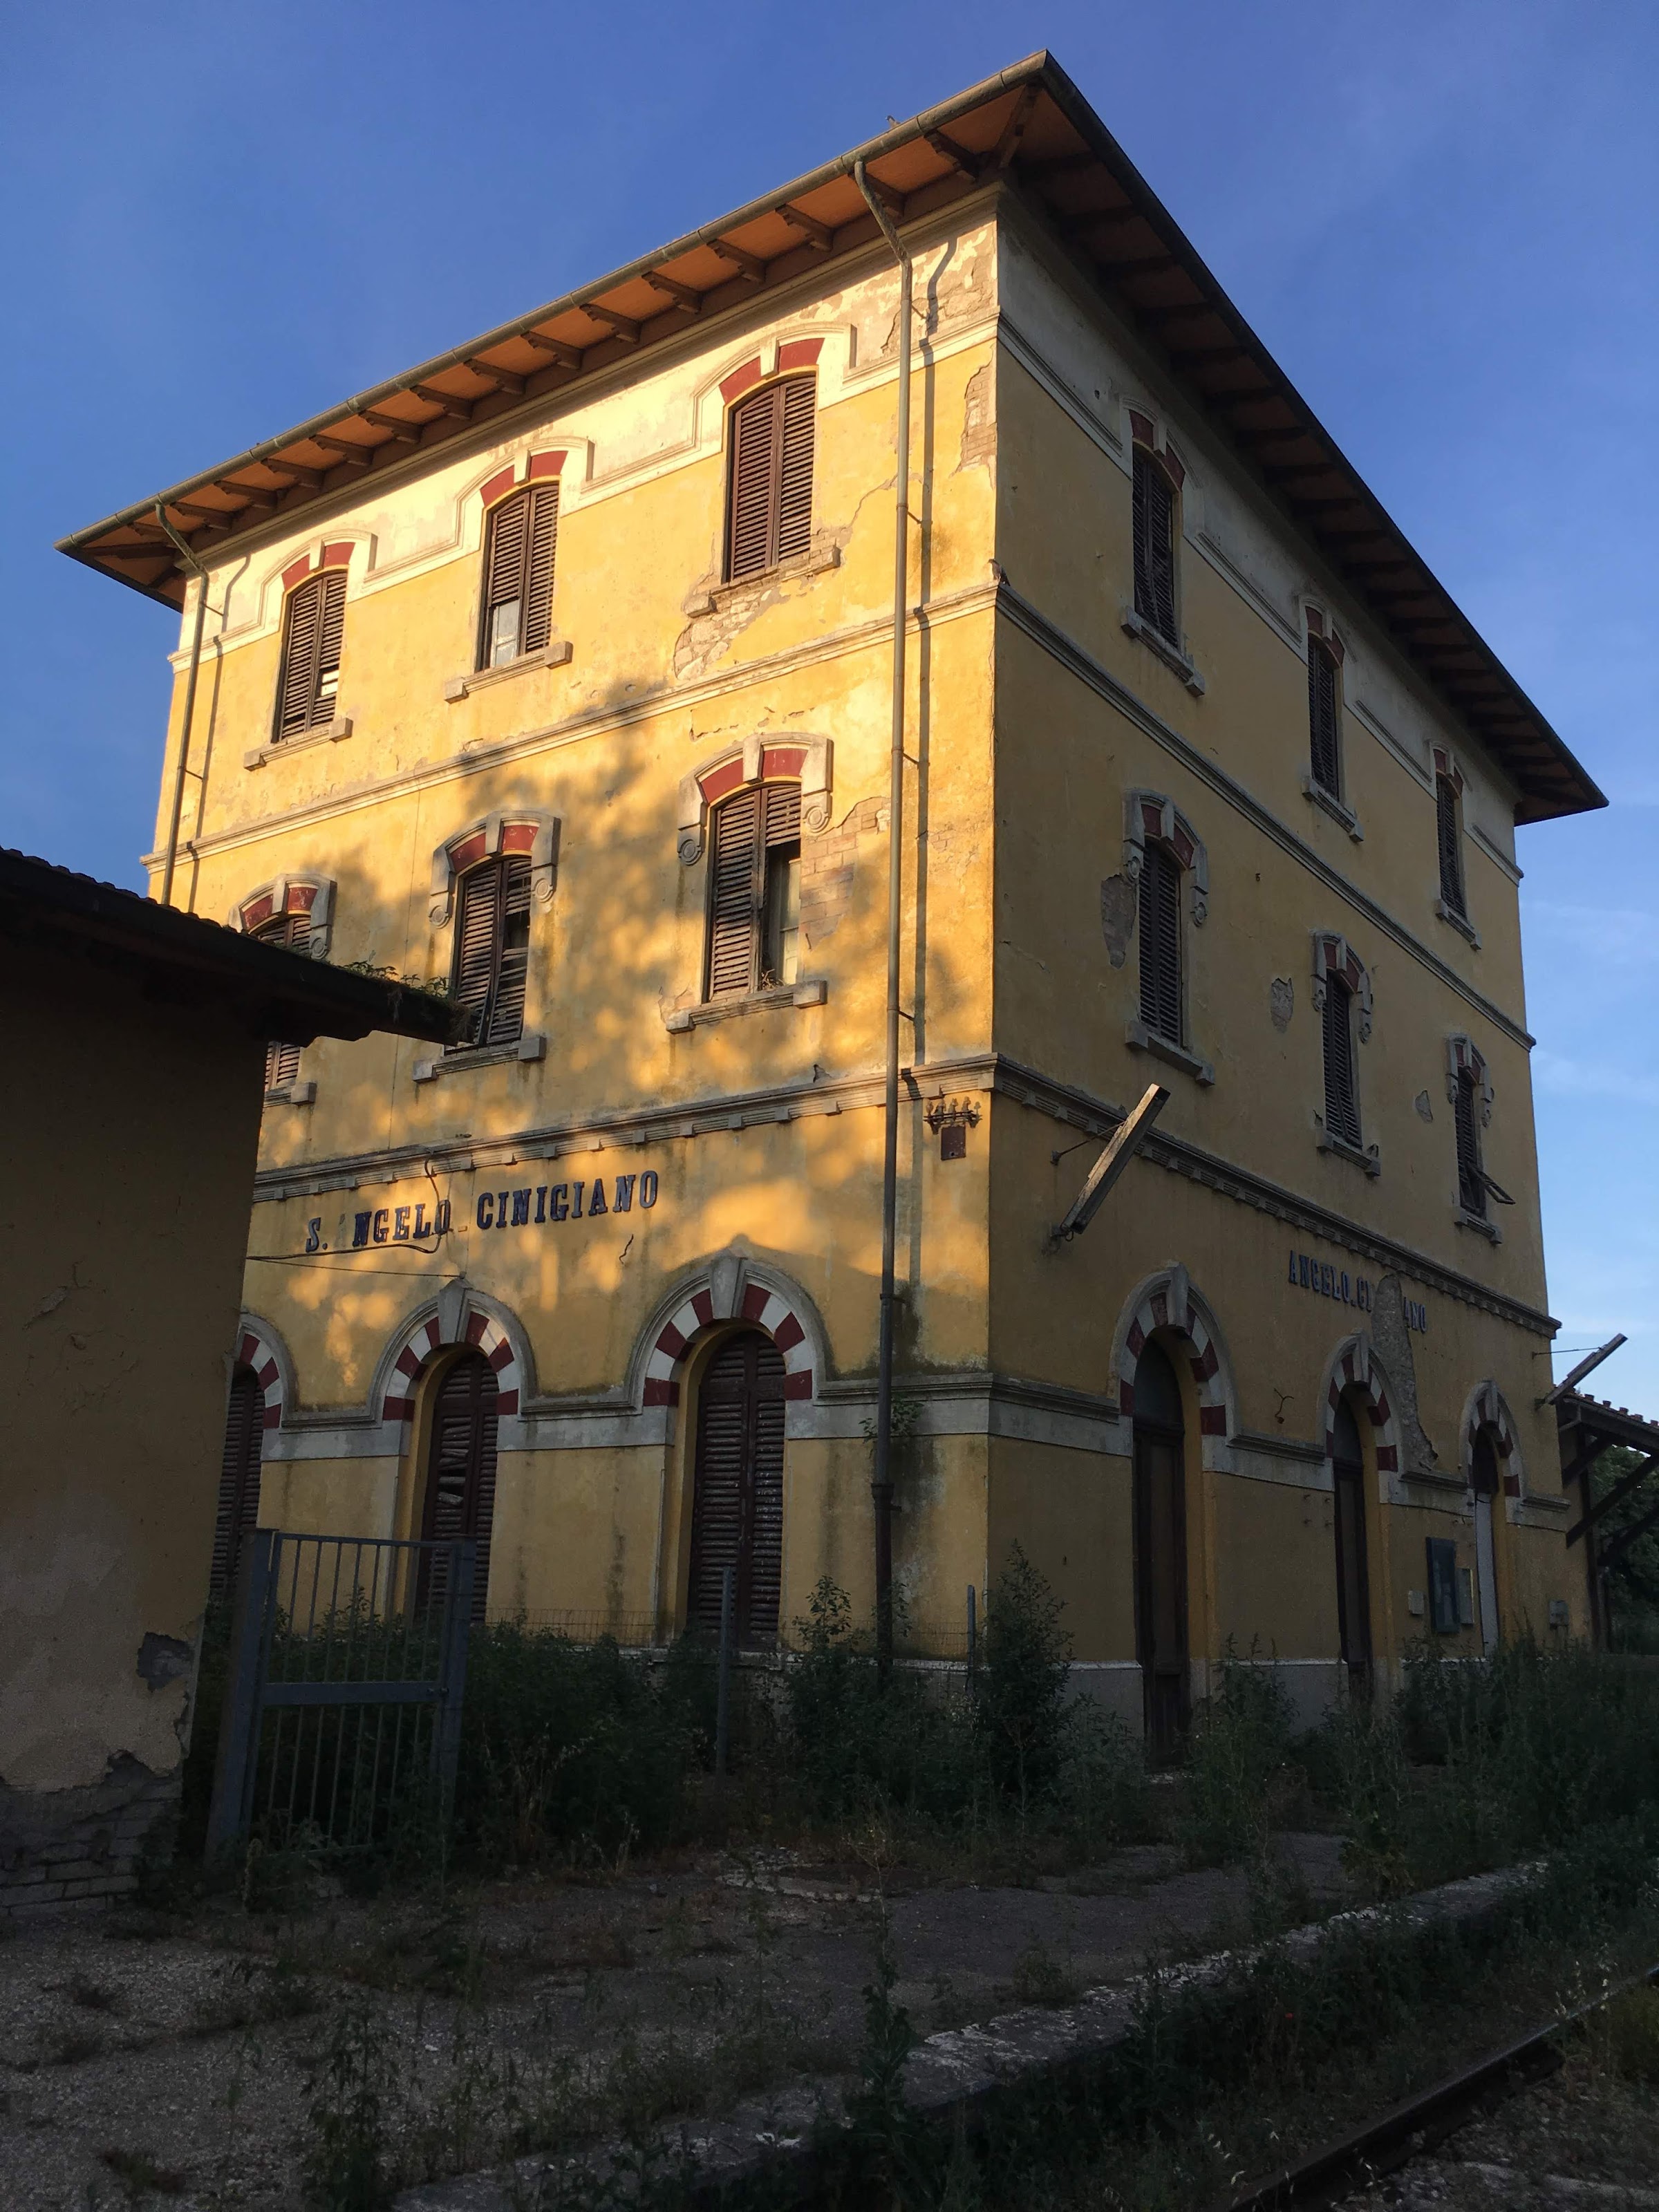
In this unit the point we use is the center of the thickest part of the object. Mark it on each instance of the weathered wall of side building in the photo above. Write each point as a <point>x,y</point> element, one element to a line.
<point>129,1128</point>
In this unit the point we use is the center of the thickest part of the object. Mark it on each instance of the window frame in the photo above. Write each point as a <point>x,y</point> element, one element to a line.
<point>1161,864</point>
<point>512,875</point>
<point>292,930</point>
<point>747,917</point>
<point>1322,654</point>
<point>1148,465</point>
<point>538,499</point>
<point>772,394</point>
<point>328,586</point>
<point>1337,968</point>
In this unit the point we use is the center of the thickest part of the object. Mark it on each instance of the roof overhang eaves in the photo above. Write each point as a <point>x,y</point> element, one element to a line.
<point>1355,534</point>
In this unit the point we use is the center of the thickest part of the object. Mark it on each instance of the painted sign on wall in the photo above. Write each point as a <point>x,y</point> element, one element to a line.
<point>1327,1280</point>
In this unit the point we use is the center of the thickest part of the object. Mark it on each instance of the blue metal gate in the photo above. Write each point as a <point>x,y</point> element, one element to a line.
<point>343,1705</point>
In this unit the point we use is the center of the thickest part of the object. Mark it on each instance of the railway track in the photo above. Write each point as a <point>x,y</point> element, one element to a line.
<point>1385,2146</point>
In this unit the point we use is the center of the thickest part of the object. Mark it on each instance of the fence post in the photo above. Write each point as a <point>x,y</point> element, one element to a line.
<point>723,1693</point>
<point>458,1624</point>
<point>973,1632</point>
<point>239,1722</point>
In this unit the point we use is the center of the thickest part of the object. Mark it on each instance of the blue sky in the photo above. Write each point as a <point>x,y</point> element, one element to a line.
<point>1440,218</point>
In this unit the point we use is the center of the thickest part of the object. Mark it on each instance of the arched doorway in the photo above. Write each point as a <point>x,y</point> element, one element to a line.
<point>1488,1488</point>
<point>1160,1541</point>
<point>737,1502</point>
<point>239,1476</point>
<point>460,1469</point>
<point>1354,1600</point>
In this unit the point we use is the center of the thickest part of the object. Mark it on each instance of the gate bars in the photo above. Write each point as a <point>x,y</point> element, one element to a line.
<point>343,1704</point>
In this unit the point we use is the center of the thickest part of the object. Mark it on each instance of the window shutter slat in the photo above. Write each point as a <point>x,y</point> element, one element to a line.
<point>1326,759</point>
<point>543,535</point>
<point>782,814</point>
<point>293,930</point>
<point>508,533</point>
<point>331,637</point>
<point>737,1515</point>
<point>1154,546</point>
<point>1342,1098</point>
<point>795,469</point>
<point>513,967</point>
<point>1451,856</point>
<point>239,1477</point>
<point>477,935</point>
<point>734,904</point>
<point>1471,1183</point>
<point>751,531</point>
<point>1160,942</point>
<point>460,1489</point>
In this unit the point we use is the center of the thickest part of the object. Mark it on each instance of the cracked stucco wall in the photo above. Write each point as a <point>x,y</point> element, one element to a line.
<point>130,1149</point>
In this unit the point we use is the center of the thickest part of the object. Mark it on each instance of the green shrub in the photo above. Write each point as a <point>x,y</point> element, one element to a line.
<point>1021,1706</point>
<point>1236,1763</point>
<point>1632,2027</point>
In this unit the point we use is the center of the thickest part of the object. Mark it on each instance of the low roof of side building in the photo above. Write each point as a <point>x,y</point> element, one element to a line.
<point>180,960</point>
<point>1028,129</point>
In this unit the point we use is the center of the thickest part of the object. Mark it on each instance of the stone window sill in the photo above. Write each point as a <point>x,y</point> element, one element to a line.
<point>532,1045</point>
<point>812,991</point>
<point>292,1094</point>
<point>338,728</point>
<point>1362,1156</point>
<point>1460,922</point>
<point>1137,626</point>
<point>1140,1038</point>
<point>555,655</point>
<point>1479,1222</point>
<point>1328,803</point>
<point>803,564</point>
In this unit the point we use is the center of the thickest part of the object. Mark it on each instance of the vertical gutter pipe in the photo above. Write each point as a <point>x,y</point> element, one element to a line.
<point>181,771</point>
<point>881,1482</point>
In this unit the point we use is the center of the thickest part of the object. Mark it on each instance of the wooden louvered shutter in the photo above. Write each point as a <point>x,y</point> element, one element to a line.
<point>736,1513</point>
<point>751,501</point>
<point>506,1019</point>
<point>312,634</point>
<point>460,1483</point>
<point>733,894</point>
<point>1342,1099</point>
<point>543,539</point>
<point>1446,837</point>
<point>1160,942</point>
<point>293,930</point>
<point>782,813</point>
<point>504,575</point>
<point>239,1476</point>
<point>1326,759</point>
<point>795,468</point>
<point>477,947</point>
<point>1471,1183</point>
<point>1154,546</point>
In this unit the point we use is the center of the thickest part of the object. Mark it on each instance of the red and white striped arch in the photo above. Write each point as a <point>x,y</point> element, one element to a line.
<point>1353,1367</point>
<point>1168,1301</point>
<point>758,1304</point>
<point>1486,1409</point>
<point>256,1350</point>
<point>425,1337</point>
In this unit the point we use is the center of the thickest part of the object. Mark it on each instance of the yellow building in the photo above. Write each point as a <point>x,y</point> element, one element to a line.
<point>559,669</point>
<point>129,1127</point>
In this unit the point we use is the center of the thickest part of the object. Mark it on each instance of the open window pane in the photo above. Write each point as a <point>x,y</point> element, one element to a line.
<point>782,923</point>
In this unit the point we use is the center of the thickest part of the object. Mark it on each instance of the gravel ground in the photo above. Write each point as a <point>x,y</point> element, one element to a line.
<point>160,2060</point>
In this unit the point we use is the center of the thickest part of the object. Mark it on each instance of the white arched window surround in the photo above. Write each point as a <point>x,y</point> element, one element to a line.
<point>481,840</point>
<point>311,896</point>
<point>809,759</point>
<point>1154,814</point>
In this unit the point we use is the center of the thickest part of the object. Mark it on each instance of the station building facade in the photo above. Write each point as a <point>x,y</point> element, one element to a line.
<point>558,671</point>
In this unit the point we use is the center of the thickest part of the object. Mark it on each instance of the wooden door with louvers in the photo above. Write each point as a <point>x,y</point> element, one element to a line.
<point>239,1477</point>
<point>460,1473</point>
<point>736,1509</point>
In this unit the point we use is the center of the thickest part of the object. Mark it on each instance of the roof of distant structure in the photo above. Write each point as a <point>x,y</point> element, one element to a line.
<point>1028,129</point>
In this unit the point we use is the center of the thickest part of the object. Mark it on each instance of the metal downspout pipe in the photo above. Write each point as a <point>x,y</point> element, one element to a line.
<point>881,1481</point>
<point>183,766</point>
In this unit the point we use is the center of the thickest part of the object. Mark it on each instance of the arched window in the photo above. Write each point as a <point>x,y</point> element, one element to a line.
<point>737,1506</point>
<point>294,931</point>
<point>753,892</point>
<point>769,484</point>
<point>1155,545</point>
<point>1487,1489</point>
<point>1159,921</point>
<point>314,625</point>
<point>239,1476</point>
<point>521,544</point>
<point>492,950</point>
<point>460,1473</point>
<point>1324,722</point>
<point>1449,842</point>
<point>1353,1604</point>
<point>1466,1122</point>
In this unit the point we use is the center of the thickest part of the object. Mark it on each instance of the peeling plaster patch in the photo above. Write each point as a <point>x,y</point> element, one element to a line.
<point>979,421</point>
<point>1117,917</point>
<point>1281,1002</point>
<point>163,1659</point>
<point>1425,1110</point>
<point>829,865</point>
<point>1393,1344</point>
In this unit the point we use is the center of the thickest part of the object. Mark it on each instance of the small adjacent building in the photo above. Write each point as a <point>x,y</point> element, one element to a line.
<point>558,670</point>
<point>129,1113</point>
